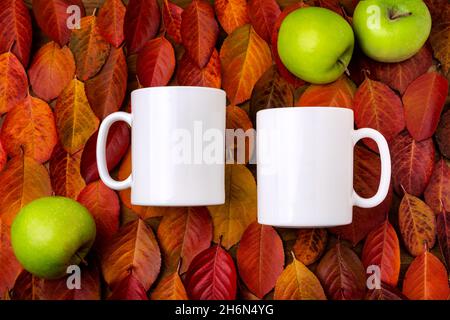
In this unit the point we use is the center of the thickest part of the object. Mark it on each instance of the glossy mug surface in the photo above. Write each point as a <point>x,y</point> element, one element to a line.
<point>161,117</point>
<point>305,167</point>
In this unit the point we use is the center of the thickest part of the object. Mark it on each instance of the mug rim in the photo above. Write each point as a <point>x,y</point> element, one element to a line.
<point>309,108</point>
<point>195,88</point>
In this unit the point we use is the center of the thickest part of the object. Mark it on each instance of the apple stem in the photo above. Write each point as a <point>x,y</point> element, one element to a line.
<point>347,72</point>
<point>395,15</point>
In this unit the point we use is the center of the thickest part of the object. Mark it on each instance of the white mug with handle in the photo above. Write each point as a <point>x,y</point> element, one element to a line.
<point>171,129</point>
<point>305,167</point>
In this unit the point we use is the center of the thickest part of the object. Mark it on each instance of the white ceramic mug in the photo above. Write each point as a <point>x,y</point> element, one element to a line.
<point>161,117</point>
<point>305,167</point>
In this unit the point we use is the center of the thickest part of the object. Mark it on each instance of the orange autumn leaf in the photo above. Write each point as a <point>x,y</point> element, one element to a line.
<point>245,56</point>
<point>310,245</point>
<point>75,120</point>
<point>232,218</point>
<point>65,173</point>
<point>13,82</point>
<point>3,157</point>
<point>89,48</point>
<point>51,64</point>
<point>22,181</point>
<point>30,128</point>
<point>231,14</point>
<point>336,94</point>
<point>132,251</point>
<point>170,288</point>
<point>110,21</point>
<point>10,268</point>
<point>237,119</point>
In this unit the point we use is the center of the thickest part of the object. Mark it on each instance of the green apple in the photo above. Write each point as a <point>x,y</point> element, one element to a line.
<point>391,30</point>
<point>50,234</point>
<point>315,44</point>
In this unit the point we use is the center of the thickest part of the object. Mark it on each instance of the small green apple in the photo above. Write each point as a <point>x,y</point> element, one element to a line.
<point>50,234</point>
<point>315,44</point>
<point>391,30</point>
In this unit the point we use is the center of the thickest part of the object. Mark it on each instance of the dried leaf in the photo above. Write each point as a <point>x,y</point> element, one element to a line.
<point>142,20</point>
<point>440,41</point>
<point>110,22</point>
<point>263,15</point>
<point>310,245</point>
<point>65,173</point>
<point>443,134</point>
<point>106,91</point>
<point>15,23</point>
<point>30,128</point>
<point>417,224</point>
<point>103,204</point>
<point>377,106</point>
<point>212,276</point>
<point>75,120</point>
<point>443,235</point>
<point>437,193</point>
<point>89,48</point>
<point>231,14</point>
<point>382,249</point>
<point>9,266</point>
<point>426,279</point>
<point>245,57</point>
<point>412,164</point>
<point>22,181</point>
<point>297,282</point>
<point>128,289</point>
<point>51,65</point>
<point>424,101</point>
<point>156,63</point>
<point>172,20</point>
<point>183,233</point>
<point>170,288</point>
<point>199,31</point>
<point>133,251</point>
<point>13,82</point>
<point>336,94</point>
<point>342,274</point>
<point>189,74</point>
<point>232,218</point>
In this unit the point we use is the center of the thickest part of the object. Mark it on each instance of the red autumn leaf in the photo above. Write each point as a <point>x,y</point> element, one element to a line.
<point>367,171</point>
<point>9,266</point>
<point>65,173</point>
<point>170,288</point>
<point>337,94</point>
<point>184,233</point>
<point>129,289</point>
<point>3,157</point>
<point>116,147</point>
<point>142,20</point>
<point>263,15</point>
<point>412,164</point>
<point>22,181</point>
<point>443,235</point>
<point>199,31</point>
<point>212,276</point>
<point>333,5</point>
<point>172,20</point>
<point>106,90</point>
<point>386,292</point>
<point>89,48</point>
<point>443,134</point>
<point>310,245</point>
<point>424,101</point>
<point>103,204</point>
<point>133,251</point>
<point>51,64</point>
<point>382,249</point>
<point>285,73</point>
<point>13,82</point>
<point>426,279</point>
<point>440,40</point>
<point>156,63</point>
<point>15,23</point>
<point>52,17</point>
<point>377,106</point>
<point>342,274</point>
<point>417,224</point>
<point>245,57</point>
<point>189,74</point>
<point>437,193</point>
<point>30,128</point>
<point>260,258</point>
<point>110,21</point>
<point>231,14</point>
<point>26,287</point>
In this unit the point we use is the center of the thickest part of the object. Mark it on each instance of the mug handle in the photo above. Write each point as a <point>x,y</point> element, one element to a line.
<point>101,151</point>
<point>385,179</point>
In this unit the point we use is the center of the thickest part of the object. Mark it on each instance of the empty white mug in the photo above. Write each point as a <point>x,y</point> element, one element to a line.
<point>305,167</point>
<point>178,138</point>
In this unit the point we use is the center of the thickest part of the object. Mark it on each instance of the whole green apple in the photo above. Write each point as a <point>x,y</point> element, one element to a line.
<point>315,44</point>
<point>391,30</point>
<point>50,234</point>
